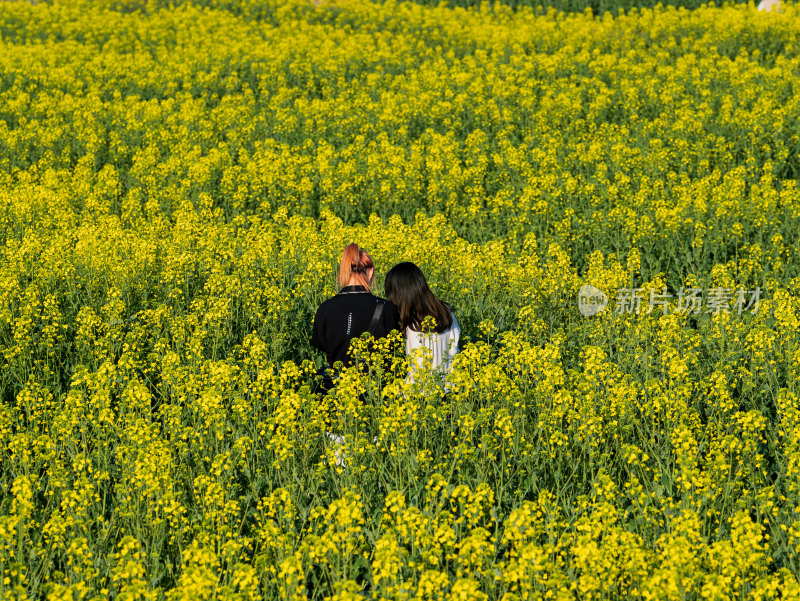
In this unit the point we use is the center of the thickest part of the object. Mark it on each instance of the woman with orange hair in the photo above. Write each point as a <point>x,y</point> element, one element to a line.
<point>354,310</point>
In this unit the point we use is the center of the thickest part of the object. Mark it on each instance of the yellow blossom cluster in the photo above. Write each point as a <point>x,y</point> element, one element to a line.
<point>177,182</point>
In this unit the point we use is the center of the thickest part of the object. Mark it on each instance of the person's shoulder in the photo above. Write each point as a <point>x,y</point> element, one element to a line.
<point>386,302</point>
<point>328,304</point>
<point>454,330</point>
<point>391,315</point>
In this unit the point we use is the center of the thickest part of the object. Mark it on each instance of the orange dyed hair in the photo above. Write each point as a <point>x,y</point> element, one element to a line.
<point>356,264</point>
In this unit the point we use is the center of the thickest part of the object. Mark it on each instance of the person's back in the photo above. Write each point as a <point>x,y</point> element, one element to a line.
<point>348,315</point>
<point>442,347</point>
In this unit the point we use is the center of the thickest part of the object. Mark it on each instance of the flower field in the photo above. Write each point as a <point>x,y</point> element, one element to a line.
<point>177,183</point>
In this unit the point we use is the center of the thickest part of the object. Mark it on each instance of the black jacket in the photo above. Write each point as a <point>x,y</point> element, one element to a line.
<point>346,316</point>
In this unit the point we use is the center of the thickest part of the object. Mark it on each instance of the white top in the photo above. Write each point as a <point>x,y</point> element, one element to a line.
<point>769,5</point>
<point>440,349</point>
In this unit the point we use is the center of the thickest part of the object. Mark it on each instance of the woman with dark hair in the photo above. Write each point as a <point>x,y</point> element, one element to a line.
<point>354,310</point>
<point>407,288</point>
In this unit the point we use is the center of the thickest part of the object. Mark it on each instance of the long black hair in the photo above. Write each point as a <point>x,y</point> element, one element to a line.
<point>406,287</point>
